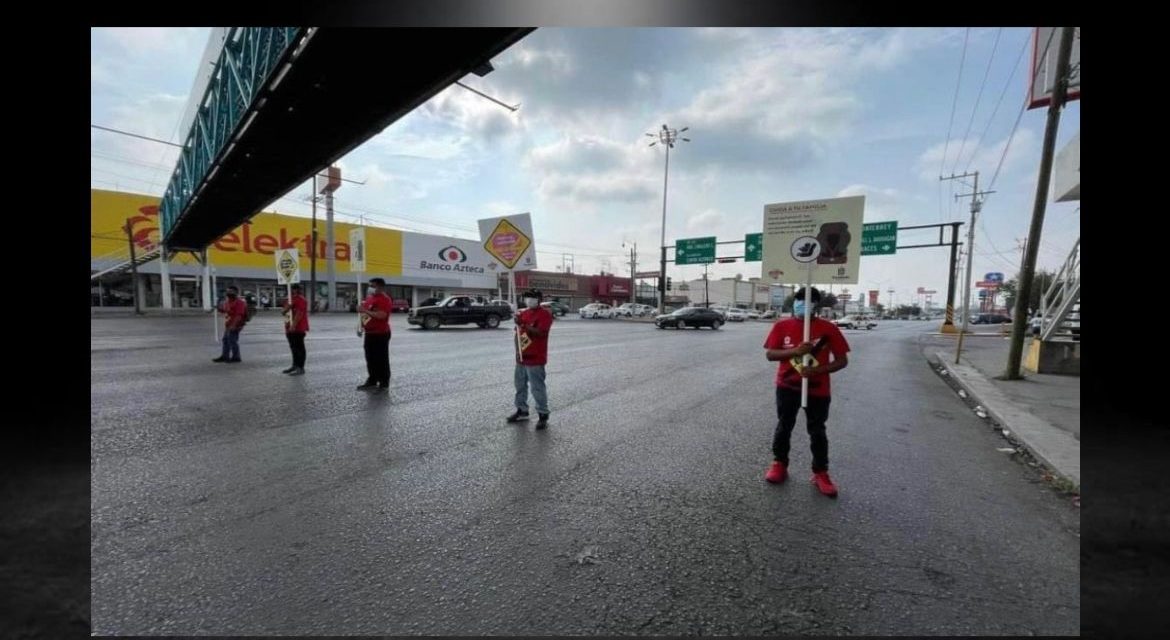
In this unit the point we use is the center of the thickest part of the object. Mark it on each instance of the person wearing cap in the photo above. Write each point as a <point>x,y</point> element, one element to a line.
<point>375,315</point>
<point>533,324</point>
<point>296,325</point>
<point>786,345</point>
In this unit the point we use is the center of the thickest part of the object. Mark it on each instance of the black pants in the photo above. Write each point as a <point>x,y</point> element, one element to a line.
<point>378,358</point>
<point>817,412</point>
<point>296,342</point>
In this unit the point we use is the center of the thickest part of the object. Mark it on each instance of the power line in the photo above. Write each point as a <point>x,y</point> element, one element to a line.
<point>954,103</point>
<point>978,98</point>
<point>1023,108</point>
<point>135,135</point>
<point>1002,93</point>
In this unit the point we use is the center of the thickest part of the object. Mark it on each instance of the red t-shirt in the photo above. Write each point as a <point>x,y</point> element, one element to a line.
<point>236,312</point>
<point>377,326</point>
<point>534,349</point>
<point>298,307</point>
<point>788,334</point>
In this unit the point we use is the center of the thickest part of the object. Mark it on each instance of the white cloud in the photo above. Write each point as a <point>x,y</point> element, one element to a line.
<point>705,219</point>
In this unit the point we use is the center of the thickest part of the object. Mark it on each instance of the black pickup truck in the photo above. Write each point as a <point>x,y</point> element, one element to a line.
<point>460,310</point>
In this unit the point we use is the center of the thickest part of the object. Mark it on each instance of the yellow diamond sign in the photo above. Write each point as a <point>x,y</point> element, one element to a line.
<point>507,243</point>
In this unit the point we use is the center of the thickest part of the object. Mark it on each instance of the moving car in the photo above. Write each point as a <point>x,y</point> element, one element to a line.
<point>460,310</point>
<point>690,317</point>
<point>557,308</point>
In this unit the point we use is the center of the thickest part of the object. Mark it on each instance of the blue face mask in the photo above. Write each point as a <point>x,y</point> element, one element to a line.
<point>798,308</point>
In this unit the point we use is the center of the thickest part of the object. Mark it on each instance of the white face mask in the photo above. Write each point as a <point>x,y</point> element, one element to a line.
<point>531,302</point>
<point>371,291</point>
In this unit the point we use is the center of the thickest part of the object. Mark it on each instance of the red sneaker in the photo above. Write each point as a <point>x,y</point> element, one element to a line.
<point>777,473</point>
<point>824,483</point>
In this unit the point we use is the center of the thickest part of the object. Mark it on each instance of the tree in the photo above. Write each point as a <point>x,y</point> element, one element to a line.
<point>1041,280</point>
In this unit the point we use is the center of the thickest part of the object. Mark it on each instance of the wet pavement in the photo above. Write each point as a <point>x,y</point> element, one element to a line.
<point>231,499</point>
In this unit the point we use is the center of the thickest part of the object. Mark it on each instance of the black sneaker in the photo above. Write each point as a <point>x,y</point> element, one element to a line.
<point>367,385</point>
<point>543,422</point>
<point>219,359</point>
<point>289,370</point>
<point>297,372</point>
<point>235,360</point>
<point>518,416</point>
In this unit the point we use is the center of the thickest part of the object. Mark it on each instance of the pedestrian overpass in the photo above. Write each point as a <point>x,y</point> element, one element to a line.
<point>282,103</point>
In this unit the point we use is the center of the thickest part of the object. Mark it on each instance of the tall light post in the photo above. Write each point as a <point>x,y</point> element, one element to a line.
<point>667,137</point>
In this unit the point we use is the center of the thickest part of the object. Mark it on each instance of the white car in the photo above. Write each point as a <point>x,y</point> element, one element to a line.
<point>752,314</point>
<point>736,315</point>
<point>629,310</point>
<point>596,310</point>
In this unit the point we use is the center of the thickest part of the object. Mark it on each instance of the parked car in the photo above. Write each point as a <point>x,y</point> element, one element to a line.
<point>626,310</point>
<point>752,314</point>
<point>689,317</point>
<point>460,310</point>
<point>864,322</point>
<point>397,305</point>
<point>556,307</point>
<point>736,315</point>
<point>596,310</point>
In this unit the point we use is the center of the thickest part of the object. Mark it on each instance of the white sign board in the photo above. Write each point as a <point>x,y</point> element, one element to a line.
<point>821,236</point>
<point>463,263</point>
<point>288,267</point>
<point>357,249</point>
<point>509,240</point>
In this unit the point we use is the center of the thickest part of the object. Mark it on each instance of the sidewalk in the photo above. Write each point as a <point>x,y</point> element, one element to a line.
<point>1041,411</point>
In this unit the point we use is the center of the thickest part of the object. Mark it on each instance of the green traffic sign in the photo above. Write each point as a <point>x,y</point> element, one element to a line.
<point>695,251</point>
<point>753,247</point>
<point>879,238</point>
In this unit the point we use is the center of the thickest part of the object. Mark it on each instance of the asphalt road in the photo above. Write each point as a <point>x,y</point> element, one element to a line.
<point>230,499</point>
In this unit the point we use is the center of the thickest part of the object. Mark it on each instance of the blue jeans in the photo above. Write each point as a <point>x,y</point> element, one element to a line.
<point>231,344</point>
<point>533,376</point>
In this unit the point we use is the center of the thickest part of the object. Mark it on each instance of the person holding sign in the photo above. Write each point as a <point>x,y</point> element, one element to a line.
<point>374,312</point>
<point>532,327</point>
<point>296,325</point>
<point>827,349</point>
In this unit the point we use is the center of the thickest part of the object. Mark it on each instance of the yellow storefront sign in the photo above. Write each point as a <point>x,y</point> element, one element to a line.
<point>252,244</point>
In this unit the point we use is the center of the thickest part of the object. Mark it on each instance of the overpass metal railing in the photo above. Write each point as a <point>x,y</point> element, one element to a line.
<point>253,60</point>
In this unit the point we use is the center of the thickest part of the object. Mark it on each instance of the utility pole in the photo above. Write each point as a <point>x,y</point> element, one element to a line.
<point>133,269</point>
<point>1028,268</point>
<point>667,137</point>
<point>313,252</point>
<point>976,205</point>
<point>633,270</point>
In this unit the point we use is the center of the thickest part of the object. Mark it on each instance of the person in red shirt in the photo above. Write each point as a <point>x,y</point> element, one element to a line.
<point>296,325</point>
<point>375,317</point>
<point>828,348</point>
<point>235,312</point>
<point>531,342</point>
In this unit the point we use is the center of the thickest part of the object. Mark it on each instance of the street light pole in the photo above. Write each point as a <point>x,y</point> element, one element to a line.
<point>667,137</point>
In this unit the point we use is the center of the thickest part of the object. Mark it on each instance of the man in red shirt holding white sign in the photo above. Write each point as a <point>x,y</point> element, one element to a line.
<point>296,325</point>
<point>375,315</point>
<point>786,344</point>
<point>531,342</point>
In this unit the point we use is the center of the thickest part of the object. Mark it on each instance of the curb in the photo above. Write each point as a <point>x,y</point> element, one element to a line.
<point>1058,450</point>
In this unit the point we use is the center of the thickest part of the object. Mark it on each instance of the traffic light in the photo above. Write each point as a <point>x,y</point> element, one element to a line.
<point>668,285</point>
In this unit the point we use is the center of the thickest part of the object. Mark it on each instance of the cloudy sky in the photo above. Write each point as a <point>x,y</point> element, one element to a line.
<point>774,114</point>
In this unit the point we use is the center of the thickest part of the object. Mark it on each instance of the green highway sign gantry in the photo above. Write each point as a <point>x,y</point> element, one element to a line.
<point>694,251</point>
<point>879,238</point>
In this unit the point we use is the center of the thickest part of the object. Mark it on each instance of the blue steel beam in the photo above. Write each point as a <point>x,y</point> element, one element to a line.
<point>234,94</point>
